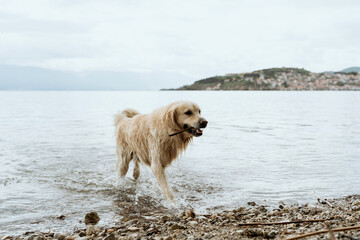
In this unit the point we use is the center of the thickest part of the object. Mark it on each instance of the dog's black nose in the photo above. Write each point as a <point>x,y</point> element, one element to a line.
<point>203,123</point>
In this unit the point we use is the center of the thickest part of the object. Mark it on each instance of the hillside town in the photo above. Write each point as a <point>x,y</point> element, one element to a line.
<point>280,79</point>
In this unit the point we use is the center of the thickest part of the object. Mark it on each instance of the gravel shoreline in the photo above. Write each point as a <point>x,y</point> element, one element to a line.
<point>241,223</point>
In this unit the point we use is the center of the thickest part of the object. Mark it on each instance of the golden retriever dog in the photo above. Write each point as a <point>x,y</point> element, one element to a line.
<point>156,139</point>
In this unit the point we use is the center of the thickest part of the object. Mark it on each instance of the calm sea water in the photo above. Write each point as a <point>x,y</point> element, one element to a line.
<point>57,155</point>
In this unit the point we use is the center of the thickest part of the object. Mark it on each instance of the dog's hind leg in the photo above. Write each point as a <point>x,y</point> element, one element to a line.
<point>123,161</point>
<point>136,172</point>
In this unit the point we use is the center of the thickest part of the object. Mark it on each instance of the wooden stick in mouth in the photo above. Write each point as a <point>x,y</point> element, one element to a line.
<point>170,135</point>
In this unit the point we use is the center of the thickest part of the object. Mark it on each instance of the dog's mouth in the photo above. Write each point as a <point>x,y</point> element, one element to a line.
<point>197,132</point>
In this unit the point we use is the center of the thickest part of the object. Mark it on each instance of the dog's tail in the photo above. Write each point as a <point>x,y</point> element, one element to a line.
<point>127,113</point>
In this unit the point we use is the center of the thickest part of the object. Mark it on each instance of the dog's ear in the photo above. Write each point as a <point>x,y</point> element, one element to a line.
<point>174,117</point>
<point>171,117</point>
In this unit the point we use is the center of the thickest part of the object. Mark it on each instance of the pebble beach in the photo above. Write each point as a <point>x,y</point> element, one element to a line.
<point>324,219</point>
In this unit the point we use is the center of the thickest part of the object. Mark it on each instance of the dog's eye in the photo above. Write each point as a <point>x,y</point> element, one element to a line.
<point>199,111</point>
<point>188,113</point>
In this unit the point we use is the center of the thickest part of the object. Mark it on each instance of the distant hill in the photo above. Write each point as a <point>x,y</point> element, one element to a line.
<point>346,70</point>
<point>35,78</point>
<point>351,69</point>
<point>279,79</point>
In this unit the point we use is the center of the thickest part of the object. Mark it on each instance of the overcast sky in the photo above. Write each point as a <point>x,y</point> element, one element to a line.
<point>195,38</point>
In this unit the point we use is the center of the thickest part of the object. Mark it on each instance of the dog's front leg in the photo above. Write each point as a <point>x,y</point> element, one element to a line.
<point>159,173</point>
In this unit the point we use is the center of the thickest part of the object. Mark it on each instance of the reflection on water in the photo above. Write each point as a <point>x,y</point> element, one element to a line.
<point>57,153</point>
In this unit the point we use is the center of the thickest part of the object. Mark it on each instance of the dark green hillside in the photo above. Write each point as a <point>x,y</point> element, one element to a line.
<point>279,79</point>
<point>274,72</point>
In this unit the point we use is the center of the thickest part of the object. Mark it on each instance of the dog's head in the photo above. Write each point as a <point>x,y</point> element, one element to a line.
<point>187,115</point>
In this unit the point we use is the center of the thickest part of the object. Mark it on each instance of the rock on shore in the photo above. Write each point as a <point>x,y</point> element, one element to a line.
<point>239,223</point>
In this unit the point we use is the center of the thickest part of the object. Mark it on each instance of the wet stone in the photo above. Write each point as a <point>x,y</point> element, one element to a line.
<point>252,233</point>
<point>262,209</point>
<point>61,217</point>
<point>133,229</point>
<point>134,235</point>
<point>151,231</point>
<point>193,223</point>
<point>110,237</point>
<point>70,238</point>
<point>177,226</point>
<point>207,235</point>
<point>272,234</point>
<point>90,230</point>
<point>356,203</point>
<point>190,214</point>
<point>31,237</point>
<point>59,236</point>
<point>165,218</point>
<point>201,218</point>
<point>92,218</point>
